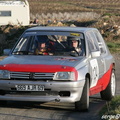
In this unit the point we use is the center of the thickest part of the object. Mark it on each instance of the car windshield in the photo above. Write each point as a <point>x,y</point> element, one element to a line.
<point>51,43</point>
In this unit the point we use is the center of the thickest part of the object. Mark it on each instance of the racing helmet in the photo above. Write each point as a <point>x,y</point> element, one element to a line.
<point>41,39</point>
<point>70,39</point>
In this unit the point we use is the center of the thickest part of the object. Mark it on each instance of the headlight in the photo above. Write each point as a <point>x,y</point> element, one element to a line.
<point>4,74</point>
<point>64,76</point>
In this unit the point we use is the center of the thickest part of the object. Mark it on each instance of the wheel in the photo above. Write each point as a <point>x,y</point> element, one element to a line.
<point>110,90</point>
<point>83,103</point>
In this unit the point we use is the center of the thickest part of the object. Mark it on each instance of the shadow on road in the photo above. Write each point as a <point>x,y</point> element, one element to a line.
<point>53,111</point>
<point>95,101</point>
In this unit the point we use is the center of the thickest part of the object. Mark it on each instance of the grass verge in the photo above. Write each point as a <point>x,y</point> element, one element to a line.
<point>111,111</point>
<point>114,47</point>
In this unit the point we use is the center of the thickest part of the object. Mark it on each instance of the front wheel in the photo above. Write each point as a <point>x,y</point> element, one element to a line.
<point>109,92</point>
<point>83,103</point>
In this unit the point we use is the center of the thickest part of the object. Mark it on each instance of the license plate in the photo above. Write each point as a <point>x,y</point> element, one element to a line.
<point>29,87</point>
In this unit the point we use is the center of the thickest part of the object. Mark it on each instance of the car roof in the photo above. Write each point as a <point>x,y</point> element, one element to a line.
<point>69,29</point>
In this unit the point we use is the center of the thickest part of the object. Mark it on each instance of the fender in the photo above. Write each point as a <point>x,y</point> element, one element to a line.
<point>102,82</point>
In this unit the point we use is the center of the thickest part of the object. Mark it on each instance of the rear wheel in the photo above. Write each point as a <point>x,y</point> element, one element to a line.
<point>83,103</point>
<point>109,92</point>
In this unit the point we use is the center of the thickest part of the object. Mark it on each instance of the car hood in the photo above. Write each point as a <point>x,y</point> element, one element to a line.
<point>25,62</point>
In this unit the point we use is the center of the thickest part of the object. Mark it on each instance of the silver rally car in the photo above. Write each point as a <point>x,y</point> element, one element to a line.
<point>58,64</point>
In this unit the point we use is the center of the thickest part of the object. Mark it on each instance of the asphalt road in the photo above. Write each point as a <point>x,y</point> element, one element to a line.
<point>55,111</point>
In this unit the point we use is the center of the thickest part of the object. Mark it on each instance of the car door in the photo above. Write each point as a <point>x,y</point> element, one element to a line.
<point>96,63</point>
<point>103,49</point>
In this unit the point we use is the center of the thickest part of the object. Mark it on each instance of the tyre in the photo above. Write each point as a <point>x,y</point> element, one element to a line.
<point>109,92</point>
<point>83,103</point>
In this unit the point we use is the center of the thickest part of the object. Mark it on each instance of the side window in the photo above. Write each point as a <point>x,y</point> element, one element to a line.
<point>100,42</point>
<point>92,42</point>
<point>5,13</point>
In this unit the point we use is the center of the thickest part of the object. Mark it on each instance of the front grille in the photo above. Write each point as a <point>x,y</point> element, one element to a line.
<point>31,75</point>
<point>22,75</point>
<point>43,75</point>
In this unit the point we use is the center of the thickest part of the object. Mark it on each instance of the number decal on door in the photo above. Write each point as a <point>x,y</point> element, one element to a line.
<point>94,72</point>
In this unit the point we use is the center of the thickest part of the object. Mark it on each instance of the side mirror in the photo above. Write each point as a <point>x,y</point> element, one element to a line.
<point>95,54</point>
<point>100,44</point>
<point>6,51</point>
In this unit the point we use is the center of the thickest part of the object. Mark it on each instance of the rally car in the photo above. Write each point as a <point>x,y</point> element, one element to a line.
<point>58,64</point>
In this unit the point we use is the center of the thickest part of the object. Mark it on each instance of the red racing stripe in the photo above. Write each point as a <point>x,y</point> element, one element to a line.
<point>102,82</point>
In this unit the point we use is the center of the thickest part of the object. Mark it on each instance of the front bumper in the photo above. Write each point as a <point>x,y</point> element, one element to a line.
<point>54,91</point>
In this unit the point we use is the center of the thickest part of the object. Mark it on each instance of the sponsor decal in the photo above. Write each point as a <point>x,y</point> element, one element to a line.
<point>75,34</point>
<point>94,72</point>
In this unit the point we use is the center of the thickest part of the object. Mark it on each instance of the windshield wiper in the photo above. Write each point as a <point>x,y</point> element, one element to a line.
<point>22,52</point>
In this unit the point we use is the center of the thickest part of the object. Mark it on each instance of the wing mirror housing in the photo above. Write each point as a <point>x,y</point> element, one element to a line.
<point>95,54</point>
<point>6,51</point>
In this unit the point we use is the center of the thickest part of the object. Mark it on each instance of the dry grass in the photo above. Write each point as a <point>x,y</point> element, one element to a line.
<point>50,6</point>
<point>74,10</point>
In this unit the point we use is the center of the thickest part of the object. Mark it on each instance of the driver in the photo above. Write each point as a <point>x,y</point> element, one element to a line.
<point>74,44</point>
